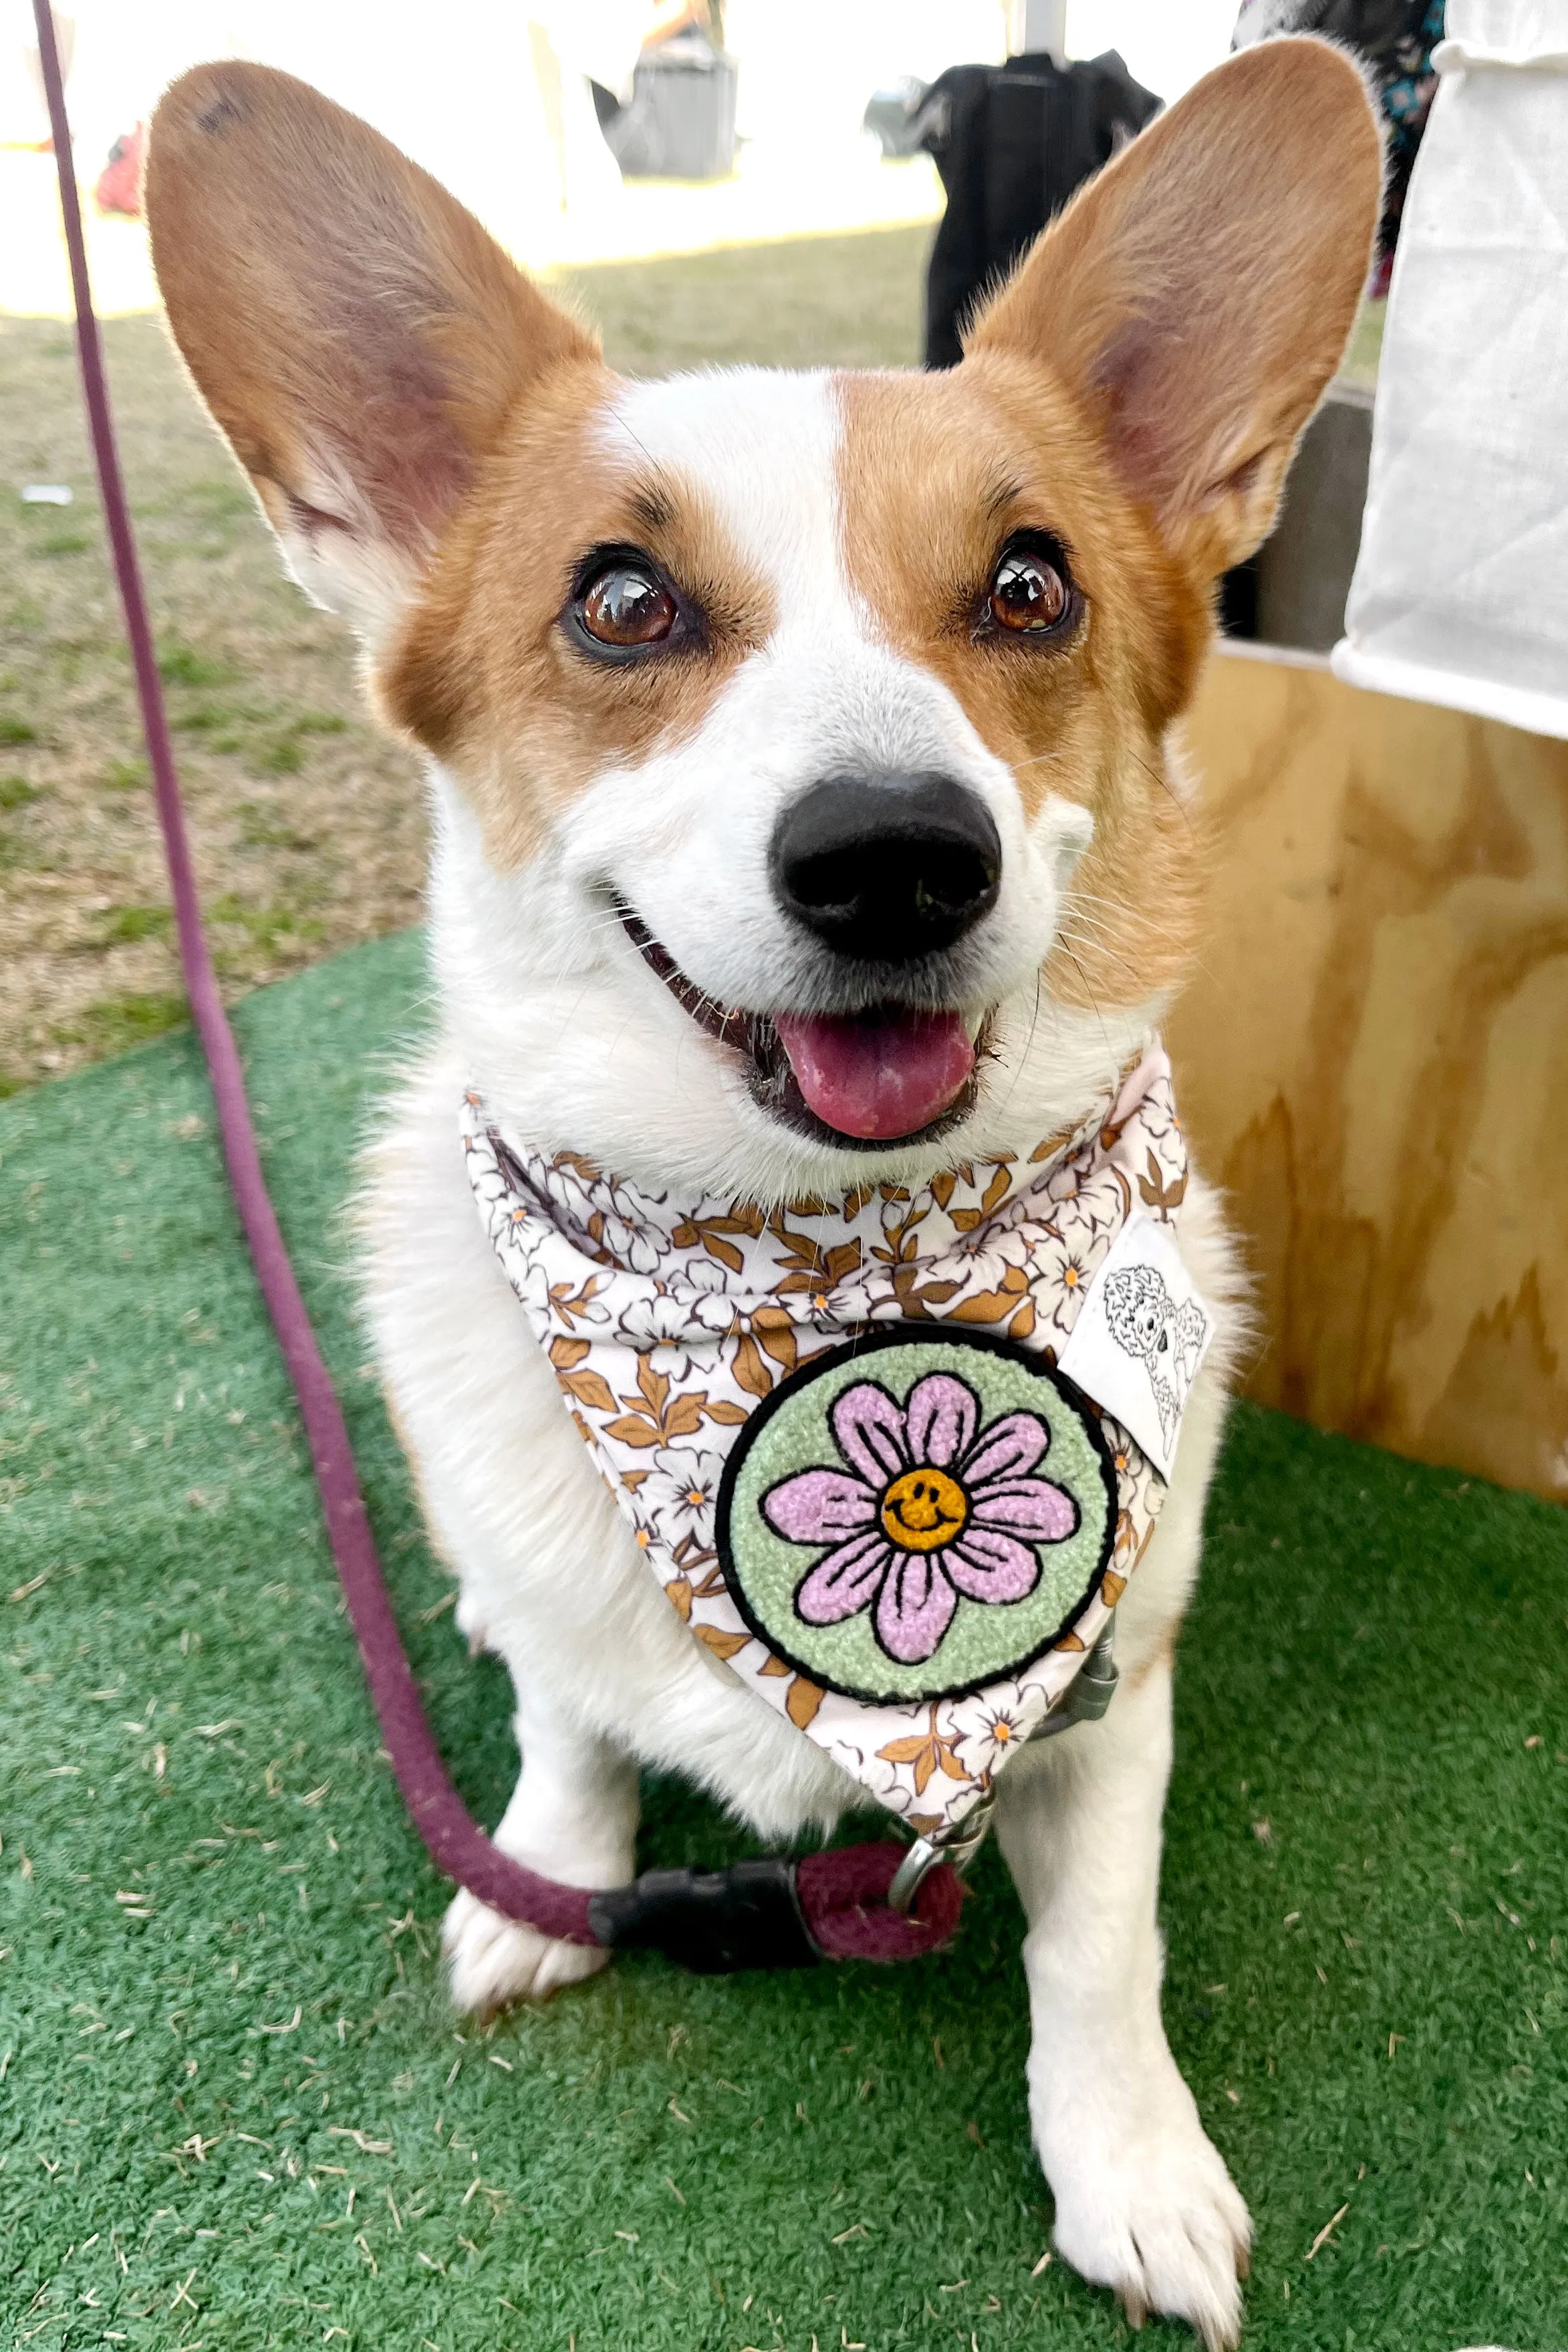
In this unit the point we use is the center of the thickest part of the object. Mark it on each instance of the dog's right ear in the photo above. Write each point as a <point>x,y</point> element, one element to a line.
<point>355,334</point>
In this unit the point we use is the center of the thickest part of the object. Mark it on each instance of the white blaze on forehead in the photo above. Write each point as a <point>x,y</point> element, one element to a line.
<point>763,447</point>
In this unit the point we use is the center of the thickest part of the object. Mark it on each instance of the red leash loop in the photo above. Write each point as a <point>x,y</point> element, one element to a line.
<point>844,1896</point>
<point>837,1891</point>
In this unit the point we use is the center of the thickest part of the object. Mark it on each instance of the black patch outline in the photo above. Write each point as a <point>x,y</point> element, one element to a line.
<point>873,1340</point>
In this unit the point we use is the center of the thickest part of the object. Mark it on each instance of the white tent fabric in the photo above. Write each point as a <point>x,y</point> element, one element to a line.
<point>1460,593</point>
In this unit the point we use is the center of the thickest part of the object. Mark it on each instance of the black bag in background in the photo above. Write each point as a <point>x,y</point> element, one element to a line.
<point>1011,142</point>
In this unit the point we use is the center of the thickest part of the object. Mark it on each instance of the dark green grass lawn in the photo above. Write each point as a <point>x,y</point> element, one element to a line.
<point>236,2110</point>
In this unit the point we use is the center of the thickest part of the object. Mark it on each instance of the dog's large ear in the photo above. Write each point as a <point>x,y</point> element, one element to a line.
<point>355,334</point>
<point>1198,294</point>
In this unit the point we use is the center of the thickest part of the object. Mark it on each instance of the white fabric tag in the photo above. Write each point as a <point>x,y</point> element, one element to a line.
<point>1141,1334</point>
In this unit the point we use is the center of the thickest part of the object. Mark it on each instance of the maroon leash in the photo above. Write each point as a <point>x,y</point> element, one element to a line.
<point>764,1913</point>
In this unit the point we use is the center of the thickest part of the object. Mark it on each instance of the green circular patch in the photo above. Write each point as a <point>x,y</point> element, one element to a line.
<point>911,1517</point>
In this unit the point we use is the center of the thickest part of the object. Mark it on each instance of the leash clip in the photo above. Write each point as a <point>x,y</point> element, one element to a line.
<point>712,1922</point>
<point>1085,1700</point>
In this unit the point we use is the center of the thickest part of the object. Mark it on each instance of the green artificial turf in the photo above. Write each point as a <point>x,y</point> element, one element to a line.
<point>236,2111</point>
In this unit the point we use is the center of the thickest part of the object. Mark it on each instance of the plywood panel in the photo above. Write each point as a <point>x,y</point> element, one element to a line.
<point>1373,1060</point>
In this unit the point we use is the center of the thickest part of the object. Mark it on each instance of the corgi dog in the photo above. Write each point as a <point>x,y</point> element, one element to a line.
<point>676,652</point>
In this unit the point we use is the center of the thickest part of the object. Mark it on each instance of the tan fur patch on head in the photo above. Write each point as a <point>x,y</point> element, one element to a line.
<point>937,474</point>
<point>482,673</point>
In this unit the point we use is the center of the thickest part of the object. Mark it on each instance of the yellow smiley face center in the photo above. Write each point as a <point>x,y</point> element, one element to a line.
<point>924,1509</point>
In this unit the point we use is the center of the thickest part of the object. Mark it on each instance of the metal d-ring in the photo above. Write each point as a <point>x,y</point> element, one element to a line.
<point>959,1845</point>
<point>1085,1700</point>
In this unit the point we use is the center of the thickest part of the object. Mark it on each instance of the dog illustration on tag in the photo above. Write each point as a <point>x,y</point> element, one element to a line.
<point>1168,1341</point>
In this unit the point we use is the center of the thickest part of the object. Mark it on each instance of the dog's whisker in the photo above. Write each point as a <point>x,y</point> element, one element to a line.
<point>1028,1042</point>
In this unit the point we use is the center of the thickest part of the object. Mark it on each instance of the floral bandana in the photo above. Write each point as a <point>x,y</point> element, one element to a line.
<point>892,1456</point>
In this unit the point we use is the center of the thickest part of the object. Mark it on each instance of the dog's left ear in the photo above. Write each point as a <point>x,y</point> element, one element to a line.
<point>1198,294</point>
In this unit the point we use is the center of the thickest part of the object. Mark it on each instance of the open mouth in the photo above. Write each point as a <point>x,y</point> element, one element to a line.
<point>892,1075</point>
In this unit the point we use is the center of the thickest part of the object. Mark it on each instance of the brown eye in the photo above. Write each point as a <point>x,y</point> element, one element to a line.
<point>624,606</point>
<point>1028,591</point>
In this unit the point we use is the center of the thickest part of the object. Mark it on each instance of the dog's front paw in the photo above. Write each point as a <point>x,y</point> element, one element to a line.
<point>1150,2211</point>
<point>492,1962</point>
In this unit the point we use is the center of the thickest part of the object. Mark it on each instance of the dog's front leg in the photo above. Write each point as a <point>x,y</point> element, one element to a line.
<point>573,1817</point>
<point>1144,2201</point>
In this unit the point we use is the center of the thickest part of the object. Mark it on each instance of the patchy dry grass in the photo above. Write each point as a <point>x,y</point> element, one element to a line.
<point>308,826</point>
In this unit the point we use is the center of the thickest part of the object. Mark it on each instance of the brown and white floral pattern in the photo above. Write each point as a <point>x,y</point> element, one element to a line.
<point>667,1322</point>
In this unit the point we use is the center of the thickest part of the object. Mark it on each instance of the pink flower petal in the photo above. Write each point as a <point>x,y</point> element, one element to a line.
<point>1031,1507</point>
<point>915,1606</point>
<point>943,1416</point>
<point>869,1429</point>
<point>818,1507</point>
<point>986,1565</point>
<point>842,1584</point>
<point>1008,1449</point>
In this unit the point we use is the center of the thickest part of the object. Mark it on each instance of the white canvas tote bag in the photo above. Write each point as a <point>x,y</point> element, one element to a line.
<point>1460,593</point>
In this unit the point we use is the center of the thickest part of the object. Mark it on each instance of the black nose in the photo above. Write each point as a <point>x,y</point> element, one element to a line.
<point>887,868</point>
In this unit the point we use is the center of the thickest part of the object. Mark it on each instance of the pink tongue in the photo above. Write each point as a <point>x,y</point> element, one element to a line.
<point>883,1075</point>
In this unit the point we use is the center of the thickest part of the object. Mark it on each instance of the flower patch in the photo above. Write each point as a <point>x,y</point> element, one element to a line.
<point>913,1516</point>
